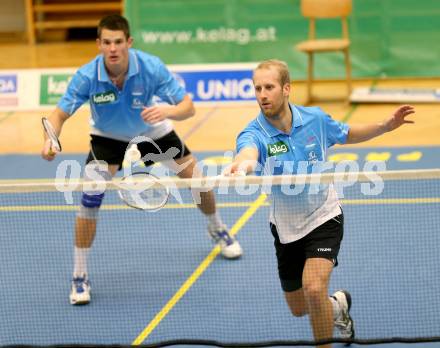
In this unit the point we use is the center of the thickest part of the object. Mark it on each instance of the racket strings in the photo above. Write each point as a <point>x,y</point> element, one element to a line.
<point>143,191</point>
<point>51,134</point>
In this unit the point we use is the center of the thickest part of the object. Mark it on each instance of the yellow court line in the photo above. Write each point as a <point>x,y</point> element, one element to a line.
<point>392,200</point>
<point>372,201</point>
<point>197,273</point>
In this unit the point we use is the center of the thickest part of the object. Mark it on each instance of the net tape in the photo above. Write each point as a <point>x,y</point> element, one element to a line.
<point>66,185</point>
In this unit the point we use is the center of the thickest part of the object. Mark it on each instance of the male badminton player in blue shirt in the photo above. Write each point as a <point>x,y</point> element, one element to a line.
<point>120,84</point>
<point>307,227</point>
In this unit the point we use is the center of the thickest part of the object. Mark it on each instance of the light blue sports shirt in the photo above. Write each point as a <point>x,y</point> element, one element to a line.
<point>299,211</point>
<point>116,113</point>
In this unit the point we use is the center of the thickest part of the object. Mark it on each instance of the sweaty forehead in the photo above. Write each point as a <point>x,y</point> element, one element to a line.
<point>267,75</point>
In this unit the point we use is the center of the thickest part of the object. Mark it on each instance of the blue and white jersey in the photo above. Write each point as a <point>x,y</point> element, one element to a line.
<point>296,211</point>
<point>116,113</point>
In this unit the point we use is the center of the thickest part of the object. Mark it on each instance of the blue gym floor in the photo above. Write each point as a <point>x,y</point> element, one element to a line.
<point>142,264</point>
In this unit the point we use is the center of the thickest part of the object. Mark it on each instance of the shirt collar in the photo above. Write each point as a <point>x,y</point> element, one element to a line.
<point>133,67</point>
<point>271,131</point>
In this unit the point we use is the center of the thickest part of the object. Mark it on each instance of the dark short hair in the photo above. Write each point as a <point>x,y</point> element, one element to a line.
<point>114,22</point>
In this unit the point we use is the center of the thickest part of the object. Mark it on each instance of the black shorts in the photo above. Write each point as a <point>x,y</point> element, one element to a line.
<point>323,242</point>
<point>112,151</point>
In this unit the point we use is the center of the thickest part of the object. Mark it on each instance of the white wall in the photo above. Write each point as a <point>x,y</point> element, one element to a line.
<point>12,16</point>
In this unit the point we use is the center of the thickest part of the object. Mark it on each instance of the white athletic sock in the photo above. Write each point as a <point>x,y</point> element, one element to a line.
<point>336,307</point>
<point>80,261</point>
<point>214,220</point>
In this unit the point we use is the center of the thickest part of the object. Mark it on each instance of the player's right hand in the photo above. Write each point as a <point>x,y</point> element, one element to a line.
<point>48,153</point>
<point>233,170</point>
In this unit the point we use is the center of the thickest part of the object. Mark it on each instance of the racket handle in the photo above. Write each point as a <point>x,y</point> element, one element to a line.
<point>50,152</point>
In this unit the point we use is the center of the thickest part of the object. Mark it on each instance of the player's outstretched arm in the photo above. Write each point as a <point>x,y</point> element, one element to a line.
<point>244,162</point>
<point>360,133</point>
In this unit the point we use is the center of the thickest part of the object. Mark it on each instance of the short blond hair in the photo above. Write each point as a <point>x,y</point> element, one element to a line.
<point>280,66</point>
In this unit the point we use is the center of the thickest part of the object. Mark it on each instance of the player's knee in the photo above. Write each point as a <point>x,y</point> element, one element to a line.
<point>298,311</point>
<point>315,292</point>
<point>90,204</point>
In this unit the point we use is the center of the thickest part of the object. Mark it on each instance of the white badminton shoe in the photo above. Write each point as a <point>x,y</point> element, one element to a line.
<point>344,322</point>
<point>80,293</point>
<point>230,248</point>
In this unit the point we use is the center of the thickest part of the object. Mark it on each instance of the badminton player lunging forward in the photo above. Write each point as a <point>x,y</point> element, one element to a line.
<point>307,227</point>
<point>120,84</point>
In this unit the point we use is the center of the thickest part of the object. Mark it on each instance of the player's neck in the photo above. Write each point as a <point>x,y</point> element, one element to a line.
<point>283,121</point>
<point>117,76</point>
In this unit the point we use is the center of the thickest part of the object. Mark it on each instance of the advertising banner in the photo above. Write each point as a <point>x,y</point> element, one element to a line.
<point>8,90</point>
<point>396,38</point>
<point>52,87</point>
<point>34,89</point>
<point>210,83</point>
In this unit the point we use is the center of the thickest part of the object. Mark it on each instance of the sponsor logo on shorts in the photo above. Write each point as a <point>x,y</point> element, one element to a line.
<point>324,250</point>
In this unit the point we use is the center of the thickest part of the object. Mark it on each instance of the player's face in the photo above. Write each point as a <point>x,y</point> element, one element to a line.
<point>271,95</point>
<point>114,46</point>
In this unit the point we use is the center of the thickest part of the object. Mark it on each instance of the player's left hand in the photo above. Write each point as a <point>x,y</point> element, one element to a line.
<point>398,118</point>
<point>155,113</point>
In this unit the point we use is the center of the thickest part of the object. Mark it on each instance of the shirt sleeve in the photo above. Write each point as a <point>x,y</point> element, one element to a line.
<point>168,88</point>
<point>247,139</point>
<point>76,95</point>
<point>337,132</point>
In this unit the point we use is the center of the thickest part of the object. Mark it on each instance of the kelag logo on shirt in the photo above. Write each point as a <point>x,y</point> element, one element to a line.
<point>277,148</point>
<point>104,98</point>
